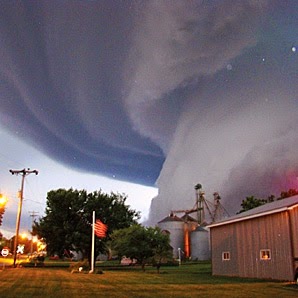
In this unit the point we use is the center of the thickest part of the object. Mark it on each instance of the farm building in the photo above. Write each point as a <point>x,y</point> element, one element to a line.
<point>189,235</point>
<point>259,243</point>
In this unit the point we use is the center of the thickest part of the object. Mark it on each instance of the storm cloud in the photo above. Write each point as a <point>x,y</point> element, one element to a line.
<point>61,86</point>
<point>166,93</point>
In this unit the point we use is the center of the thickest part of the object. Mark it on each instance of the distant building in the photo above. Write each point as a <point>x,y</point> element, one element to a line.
<point>186,236</point>
<point>259,243</point>
<point>189,237</point>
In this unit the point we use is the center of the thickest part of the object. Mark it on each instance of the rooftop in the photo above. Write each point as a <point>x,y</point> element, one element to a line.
<point>266,209</point>
<point>188,218</point>
<point>171,217</point>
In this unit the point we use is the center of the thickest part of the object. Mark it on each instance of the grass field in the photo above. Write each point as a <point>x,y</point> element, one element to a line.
<point>184,281</point>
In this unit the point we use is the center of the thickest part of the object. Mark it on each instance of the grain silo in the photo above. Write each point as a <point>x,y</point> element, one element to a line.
<point>174,225</point>
<point>200,245</point>
<point>188,233</point>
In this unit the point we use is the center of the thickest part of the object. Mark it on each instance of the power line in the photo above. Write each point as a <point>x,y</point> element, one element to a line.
<point>32,214</point>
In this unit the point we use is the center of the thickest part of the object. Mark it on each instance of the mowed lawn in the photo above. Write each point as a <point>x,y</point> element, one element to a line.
<point>183,281</point>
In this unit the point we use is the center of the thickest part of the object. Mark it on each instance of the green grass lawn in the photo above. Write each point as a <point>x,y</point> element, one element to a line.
<point>184,281</point>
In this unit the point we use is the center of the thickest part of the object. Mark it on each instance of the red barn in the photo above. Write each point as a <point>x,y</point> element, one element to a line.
<point>259,243</point>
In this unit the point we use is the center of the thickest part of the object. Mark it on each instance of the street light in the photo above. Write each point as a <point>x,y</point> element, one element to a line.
<point>23,235</point>
<point>3,201</point>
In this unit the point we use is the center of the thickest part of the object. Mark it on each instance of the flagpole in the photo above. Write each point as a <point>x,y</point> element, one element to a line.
<point>93,243</point>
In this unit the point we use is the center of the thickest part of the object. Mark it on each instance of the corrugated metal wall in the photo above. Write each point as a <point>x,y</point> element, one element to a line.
<point>294,231</point>
<point>176,230</point>
<point>294,223</point>
<point>200,248</point>
<point>245,239</point>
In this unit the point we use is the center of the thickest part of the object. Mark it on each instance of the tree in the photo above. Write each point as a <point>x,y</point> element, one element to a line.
<point>162,249</point>
<point>250,203</point>
<point>286,194</point>
<point>144,244</point>
<point>68,217</point>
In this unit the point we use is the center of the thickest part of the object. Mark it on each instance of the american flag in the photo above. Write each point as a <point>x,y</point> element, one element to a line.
<point>100,229</point>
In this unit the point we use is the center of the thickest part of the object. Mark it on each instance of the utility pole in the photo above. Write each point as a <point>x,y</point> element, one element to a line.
<point>24,173</point>
<point>33,214</point>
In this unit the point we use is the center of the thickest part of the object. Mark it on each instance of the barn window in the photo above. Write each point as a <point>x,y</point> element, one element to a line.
<point>225,256</point>
<point>265,254</point>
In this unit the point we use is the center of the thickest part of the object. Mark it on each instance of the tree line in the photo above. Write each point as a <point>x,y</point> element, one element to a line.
<point>253,202</point>
<point>66,226</point>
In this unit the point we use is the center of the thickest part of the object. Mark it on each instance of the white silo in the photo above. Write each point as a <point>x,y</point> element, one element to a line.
<point>200,244</point>
<point>173,225</point>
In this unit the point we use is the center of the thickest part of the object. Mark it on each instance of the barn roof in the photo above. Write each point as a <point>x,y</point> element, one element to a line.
<point>266,209</point>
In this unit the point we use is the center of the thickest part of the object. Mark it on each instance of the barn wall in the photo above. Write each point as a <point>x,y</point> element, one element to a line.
<point>245,239</point>
<point>294,229</point>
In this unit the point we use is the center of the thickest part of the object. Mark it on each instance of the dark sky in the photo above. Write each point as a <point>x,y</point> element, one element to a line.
<point>167,92</point>
<point>62,85</point>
